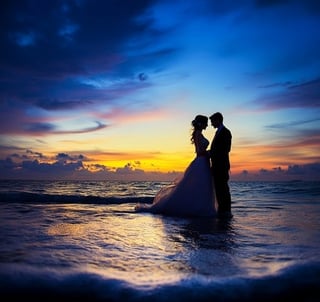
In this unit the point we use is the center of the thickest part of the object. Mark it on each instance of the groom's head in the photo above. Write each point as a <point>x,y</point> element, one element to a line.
<point>216,119</point>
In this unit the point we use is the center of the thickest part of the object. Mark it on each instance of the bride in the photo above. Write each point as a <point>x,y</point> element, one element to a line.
<point>193,193</point>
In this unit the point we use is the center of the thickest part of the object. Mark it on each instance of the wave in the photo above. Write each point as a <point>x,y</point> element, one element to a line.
<point>299,282</point>
<point>27,197</point>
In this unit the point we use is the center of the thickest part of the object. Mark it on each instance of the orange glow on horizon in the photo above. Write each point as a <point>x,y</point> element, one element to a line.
<point>149,162</point>
<point>166,158</point>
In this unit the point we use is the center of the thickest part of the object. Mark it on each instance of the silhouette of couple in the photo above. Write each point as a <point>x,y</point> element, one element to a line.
<point>203,190</point>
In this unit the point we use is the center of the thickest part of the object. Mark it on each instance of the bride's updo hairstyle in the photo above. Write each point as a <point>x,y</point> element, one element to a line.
<point>200,122</point>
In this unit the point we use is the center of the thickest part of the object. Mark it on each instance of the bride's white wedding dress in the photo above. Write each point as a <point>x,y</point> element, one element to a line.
<point>191,195</point>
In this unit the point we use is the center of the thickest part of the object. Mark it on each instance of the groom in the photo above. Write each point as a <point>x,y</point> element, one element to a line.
<point>220,164</point>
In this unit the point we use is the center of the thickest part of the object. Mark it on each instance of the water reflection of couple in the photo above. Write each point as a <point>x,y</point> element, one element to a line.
<point>203,189</point>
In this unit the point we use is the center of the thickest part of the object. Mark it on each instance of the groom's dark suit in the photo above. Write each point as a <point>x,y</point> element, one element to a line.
<point>220,166</point>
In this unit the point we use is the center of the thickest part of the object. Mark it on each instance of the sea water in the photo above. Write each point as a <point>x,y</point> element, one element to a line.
<point>83,241</point>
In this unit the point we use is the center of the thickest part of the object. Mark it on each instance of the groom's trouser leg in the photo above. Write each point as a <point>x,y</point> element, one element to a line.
<point>222,191</point>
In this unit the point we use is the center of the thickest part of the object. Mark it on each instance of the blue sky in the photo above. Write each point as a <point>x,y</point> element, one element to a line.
<point>108,89</point>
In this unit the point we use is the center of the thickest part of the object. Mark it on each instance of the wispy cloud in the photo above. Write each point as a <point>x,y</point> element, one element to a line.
<point>295,123</point>
<point>303,95</point>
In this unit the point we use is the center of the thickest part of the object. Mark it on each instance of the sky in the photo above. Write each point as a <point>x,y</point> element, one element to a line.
<point>107,90</point>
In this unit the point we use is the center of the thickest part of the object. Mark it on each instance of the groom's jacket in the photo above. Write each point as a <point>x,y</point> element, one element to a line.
<point>220,148</point>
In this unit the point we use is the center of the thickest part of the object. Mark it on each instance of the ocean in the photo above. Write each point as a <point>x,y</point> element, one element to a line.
<point>82,241</point>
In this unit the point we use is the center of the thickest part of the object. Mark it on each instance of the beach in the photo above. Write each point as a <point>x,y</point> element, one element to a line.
<point>83,241</point>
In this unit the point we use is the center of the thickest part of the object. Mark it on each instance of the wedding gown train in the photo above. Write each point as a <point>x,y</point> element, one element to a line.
<point>191,195</point>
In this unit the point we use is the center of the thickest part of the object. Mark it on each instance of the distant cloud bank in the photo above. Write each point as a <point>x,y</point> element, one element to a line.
<point>75,167</point>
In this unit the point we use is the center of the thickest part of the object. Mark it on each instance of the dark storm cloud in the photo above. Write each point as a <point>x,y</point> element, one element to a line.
<point>308,169</point>
<point>70,55</point>
<point>47,46</point>
<point>68,157</point>
<point>57,168</point>
<point>71,166</point>
<point>30,163</point>
<point>95,27</point>
<point>307,172</point>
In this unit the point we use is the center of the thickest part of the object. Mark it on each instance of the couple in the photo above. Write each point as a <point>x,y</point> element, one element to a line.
<point>203,189</point>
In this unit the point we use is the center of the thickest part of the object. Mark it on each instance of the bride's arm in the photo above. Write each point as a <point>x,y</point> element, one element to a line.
<point>200,150</point>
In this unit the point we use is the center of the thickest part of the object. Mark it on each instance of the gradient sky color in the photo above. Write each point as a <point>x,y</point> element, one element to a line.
<point>108,89</point>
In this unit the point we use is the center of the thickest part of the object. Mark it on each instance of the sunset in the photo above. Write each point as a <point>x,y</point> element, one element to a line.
<point>160,150</point>
<point>108,90</point>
